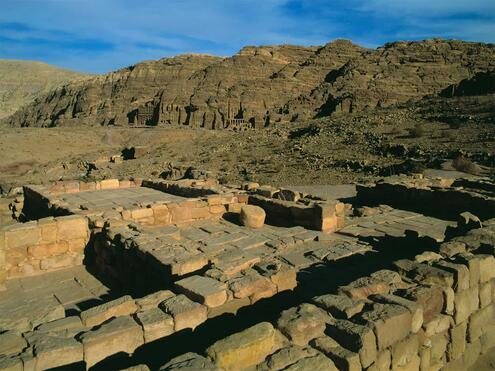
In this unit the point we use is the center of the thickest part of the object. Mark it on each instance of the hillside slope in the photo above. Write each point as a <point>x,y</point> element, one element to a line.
<point>22,81</point>
<point>261,85</point>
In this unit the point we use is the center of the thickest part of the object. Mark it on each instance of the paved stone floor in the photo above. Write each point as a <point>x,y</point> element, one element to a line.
<point>29,301</point>
<point>395,223</point>
<point>112,198</point>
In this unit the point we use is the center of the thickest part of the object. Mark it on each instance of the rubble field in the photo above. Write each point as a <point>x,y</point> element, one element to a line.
<point>190,274</point>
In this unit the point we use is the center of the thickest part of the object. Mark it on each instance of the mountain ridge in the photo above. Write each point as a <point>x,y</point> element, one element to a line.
<point>261,85</point>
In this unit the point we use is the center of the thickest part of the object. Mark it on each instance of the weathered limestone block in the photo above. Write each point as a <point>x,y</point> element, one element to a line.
<point>427,257</point>
<point>383,361</point>
<point>142,213</point>
<point>357,338</point>
<point>71,227</point>
<point>122,306</point>
<point>244,349</point>
<point>248,285</point>
<point>152,300</point>
<point>281,274</point>
<point>343,358</point>
<point>317,362</point>
<point>11,343</point>
<point>437,325</point>
<point>285,357</point>
<point>487,268</point>
<point>266,191</point>
<point>189,361</point>
<point>438,347</point>
<point>480,320</point>
<point>364,287</point>
<point>473,264</point>
<point>155,323</point>
<point>390,323</point>
<point>457,341</point>
<point>461,274</point>
<point>109,184</point>
<point>162,215</point>
<point>11,363</point>
<point>430,297</point>
<point>452,248</point>
<point>48,229</point>
<point>68,325</point>
<point>448,301</point>
<point>252,216</point>
<point>204,290</point>
<point>20,235</point>
<point>186,313</point>
<point>52,351</point>
<point>59,261</point>
<point>339,306</point>
<point>288,195</point>
<point>40,251</point>
<point>404,352</point>
<point>487,339</point>
<point>303,323</point>
<point>485,293</point>
<point>465,302</point>
<point>415,308</point>
<point>121,334</point>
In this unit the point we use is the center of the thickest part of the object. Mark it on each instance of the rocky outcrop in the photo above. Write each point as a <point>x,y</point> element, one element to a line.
<point>261,85</point>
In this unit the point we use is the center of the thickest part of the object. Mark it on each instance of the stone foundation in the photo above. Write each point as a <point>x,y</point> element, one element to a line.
<point>42,246</point>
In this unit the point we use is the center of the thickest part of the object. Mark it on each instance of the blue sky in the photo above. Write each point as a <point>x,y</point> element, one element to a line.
<point>104,35</point>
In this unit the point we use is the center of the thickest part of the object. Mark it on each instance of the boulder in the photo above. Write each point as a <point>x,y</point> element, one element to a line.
<point>252,216</point>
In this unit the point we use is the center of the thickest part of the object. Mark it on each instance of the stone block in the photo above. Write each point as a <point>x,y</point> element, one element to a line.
<point>438,346</point>
<point>72,226</point>
<point>204,290</point>
<point>20,235</point>
<point>317,362</point>
<point>487,268</point>
<point>67,324</point>
<point>485,293</point>
<point>244,349</point>
<point>142,213</point>
<point>155,323</point>
<point>404,352</point>
<point>48,229</point>
<point>282,275</point>
<point>473,264</point>
<point>122,306</point>
<point>152,300</point>
<point>339,306</point>
<point>364,287</point>
<point>430,297</point>
<point>465,303</point>
<point>41,251</point>
<point>480,320</point>
<point>487,339</point>
<point>51,352</point>
<point>11,343</point>
<point>121,334</point>
<point>189,361</point>
<point>437,325</point>
<point>357,338</point>
<point>248,285</point>
<point>390,323</point>
<point>452,248</point>
<point>57,262</point>
<point>286,357</point>
<point>109,184</point>
<point>461,274</point>
<point>77,245</point>
<point>448,301</point>
<point>343,358</point>
<point>11,363</point>
<point>303,323</point>
<point>457,341</point>
<point>383,361</point>
<point>252,216</point>
<point>186,313</point>
<point>415,308</point>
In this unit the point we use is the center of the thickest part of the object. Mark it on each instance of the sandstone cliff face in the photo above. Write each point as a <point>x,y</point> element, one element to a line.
<point>262,85</point>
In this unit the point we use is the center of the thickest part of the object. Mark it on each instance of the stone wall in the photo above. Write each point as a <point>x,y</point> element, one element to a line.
<point>440,199</point>
<point>41,246</point>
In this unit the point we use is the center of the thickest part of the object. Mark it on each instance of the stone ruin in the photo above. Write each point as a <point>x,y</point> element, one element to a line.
<point>159,113</point>
<point>192,274</point>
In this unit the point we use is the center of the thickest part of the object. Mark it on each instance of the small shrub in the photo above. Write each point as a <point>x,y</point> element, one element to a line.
<point>417,131</point>
<point>465,165</point>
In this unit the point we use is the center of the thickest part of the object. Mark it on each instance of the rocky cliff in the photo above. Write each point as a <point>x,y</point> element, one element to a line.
<point>262,85</point>
<point>22,81</point>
